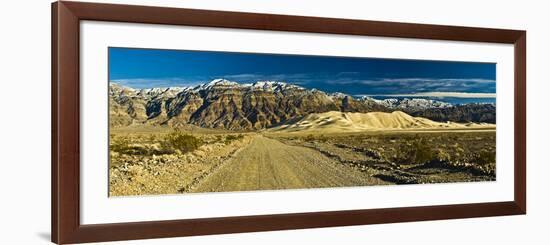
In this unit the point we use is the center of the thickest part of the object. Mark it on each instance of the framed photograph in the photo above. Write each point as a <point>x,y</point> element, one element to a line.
<point>176,122</point>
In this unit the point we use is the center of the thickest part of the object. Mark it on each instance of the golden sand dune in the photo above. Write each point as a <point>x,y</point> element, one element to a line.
<point>335,121</point>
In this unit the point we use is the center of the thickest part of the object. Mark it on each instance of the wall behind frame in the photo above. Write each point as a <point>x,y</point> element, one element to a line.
<point>25,124</point>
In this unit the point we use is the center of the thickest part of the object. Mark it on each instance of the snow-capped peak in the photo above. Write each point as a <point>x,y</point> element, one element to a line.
<point>267,85</point>
<point>169,91</point>
<point>406,103</point>
<point>338,95</point>
<point>220,82</point>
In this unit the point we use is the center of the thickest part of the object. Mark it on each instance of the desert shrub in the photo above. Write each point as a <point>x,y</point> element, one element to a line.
<point>373,153</point>
<point>134,149</point>
<point>322,139</point>
<point>135,146</point>
<point>422,152</point>
<point>442,156</point>
<point>119,144</point>
<point>309,137</point>
<point>485,157</point>
<point>417,152</point>
<point>392,137</point>
<point>234,137</point>
<point>230,138</point>
<point>180,141</point>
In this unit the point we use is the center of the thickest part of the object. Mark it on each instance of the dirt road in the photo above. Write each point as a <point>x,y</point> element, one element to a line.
<point>267,164</point>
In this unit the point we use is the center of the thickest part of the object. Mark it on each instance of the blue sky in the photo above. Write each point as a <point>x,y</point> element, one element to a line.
<point>146,68</point>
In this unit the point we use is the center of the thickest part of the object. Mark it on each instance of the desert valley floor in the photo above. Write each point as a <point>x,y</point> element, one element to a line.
<point>225,136</point>
<point>270,160</point>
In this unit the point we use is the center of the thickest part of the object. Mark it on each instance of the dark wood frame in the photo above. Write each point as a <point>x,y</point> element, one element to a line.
<point>66,227</point>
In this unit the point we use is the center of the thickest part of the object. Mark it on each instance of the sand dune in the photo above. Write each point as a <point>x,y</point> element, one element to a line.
<point>334,121</point>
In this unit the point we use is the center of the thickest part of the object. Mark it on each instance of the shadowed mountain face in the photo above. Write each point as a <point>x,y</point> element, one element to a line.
<point>229,105</point>
<point>485,113</point>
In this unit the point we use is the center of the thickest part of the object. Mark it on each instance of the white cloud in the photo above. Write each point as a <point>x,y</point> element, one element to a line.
<point>156,82</point>
<point>475,80</point>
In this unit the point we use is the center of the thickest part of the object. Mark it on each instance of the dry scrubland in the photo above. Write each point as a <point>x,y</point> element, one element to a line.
<point>160,160</point>
<point>165,161</point>
<point>409,157</point>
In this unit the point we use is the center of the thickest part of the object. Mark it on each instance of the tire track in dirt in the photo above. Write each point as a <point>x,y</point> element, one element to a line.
<point>268,164</point>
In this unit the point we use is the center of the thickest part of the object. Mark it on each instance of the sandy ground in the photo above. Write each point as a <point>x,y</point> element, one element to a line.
<point>340,122</point>
<point>267,164</point>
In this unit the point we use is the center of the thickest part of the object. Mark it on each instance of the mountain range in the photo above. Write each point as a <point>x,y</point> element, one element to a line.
<point>264,104</point>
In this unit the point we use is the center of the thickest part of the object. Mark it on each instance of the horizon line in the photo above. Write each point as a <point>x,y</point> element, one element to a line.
<point>437,94</point>
<point>423,94</point>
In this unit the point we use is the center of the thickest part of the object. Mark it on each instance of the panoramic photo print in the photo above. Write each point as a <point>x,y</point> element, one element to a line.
<point>202,121</point>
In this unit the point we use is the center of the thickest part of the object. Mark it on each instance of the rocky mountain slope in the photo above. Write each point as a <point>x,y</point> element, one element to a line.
<point>230,105</point>
<point>440,111</point>
<point>485,113</point>
<point>414,104</point>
